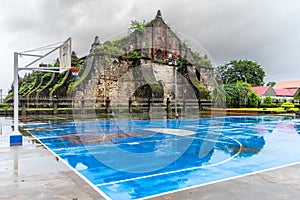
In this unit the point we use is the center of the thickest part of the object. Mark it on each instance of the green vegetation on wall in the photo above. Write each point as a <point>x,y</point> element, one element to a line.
<point>201,61</point>
<point>111,49</point>
<point>62,77</point>
<point>29,82</point>
<point>47,76</point>
<point>157,90</point>
<point>204,93</point>
<point>133,56</point>
<point>81,76</point>
<point>138,26</point>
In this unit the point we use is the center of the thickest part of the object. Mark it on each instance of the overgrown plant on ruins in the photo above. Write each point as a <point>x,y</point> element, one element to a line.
<point>200,60</point>
<point>62,79</point>
<point>204,93</point>
<point>138,26</point>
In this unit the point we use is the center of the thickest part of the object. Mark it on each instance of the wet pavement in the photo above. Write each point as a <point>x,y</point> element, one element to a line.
<point>31,172</point>
<point>279,184</point>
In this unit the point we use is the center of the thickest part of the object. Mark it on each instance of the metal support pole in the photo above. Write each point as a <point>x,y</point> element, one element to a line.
<point>16,95</point>
<point>16,138</point>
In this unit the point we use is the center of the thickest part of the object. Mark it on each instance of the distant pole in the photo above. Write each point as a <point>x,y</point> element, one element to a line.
<point>175,74</point>
<point>168,108</point>
<point>1,95</point>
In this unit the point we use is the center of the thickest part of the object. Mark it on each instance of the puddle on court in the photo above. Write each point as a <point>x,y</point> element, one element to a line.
<point>101,138</point>
<point>266,142</point>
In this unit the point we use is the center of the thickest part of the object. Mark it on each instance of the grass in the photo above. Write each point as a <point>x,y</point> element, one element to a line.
<point>262,109</point>
<point>137,113</point>
<point>121,108</point>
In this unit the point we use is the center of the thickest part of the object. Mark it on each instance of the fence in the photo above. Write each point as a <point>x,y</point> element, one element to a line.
<point>68,105</point>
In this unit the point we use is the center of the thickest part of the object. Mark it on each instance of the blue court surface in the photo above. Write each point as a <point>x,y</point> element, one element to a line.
<point>139,159</point>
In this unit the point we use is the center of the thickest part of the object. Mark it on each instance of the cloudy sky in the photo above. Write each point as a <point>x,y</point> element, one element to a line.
<point>265,31</point>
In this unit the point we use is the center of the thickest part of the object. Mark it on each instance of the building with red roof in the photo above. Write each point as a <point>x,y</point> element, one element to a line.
<point>287,89</point>
<point>264,91</point>
<point>282,90</point>
<point>288,84</point>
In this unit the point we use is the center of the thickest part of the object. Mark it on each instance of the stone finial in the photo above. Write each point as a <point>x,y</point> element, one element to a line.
<point>95,44</point>
<point>158,15</point>
<point>97,40</point>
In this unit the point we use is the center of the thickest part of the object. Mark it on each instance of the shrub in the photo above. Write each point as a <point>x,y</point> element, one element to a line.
<point>267,100</point>
<point>254,100</point>
<point>287,105</point>
<point>271,105</point>
<point>297,105</point>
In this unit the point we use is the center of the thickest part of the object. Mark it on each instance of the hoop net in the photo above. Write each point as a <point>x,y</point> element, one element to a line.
<point>75,71</point>
<point>75,74</point>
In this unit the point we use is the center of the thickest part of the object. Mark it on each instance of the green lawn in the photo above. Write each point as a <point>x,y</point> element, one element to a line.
<point>262,109</point>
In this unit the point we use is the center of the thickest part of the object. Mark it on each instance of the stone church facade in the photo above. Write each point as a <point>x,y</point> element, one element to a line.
<point>149,63</point>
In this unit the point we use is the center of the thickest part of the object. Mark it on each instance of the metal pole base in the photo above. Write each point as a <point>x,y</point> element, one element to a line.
<point>16,140</point>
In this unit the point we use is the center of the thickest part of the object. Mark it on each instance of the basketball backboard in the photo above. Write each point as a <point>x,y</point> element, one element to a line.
<point>65,55</point>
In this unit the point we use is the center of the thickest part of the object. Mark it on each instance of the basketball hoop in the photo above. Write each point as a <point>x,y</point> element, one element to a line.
<point>65,50</point>
<point>75,71</point>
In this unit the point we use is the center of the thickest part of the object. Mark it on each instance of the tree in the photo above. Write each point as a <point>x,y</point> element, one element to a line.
<point>271,84</point>
<point>237,94</point>
<point>242,70</point>
<point>254,100</point>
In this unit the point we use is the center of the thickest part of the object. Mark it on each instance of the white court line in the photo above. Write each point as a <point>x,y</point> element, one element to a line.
<point>217,181</point>
<point>178,132</point>
<point>96,187</point>
<point>177,171</point>
<point>105,196</point>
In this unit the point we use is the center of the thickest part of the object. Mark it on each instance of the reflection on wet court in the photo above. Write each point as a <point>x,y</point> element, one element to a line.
<point>130,159</point>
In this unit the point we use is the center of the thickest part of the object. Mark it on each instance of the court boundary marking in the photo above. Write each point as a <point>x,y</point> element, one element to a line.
<point>177,171</point>
<point>218,181</point>
<point>103,194</point>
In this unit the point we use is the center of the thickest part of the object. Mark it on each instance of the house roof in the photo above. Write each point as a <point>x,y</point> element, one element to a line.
<point>287,84</point>
<point>260,90</point>
<point>285,92</point>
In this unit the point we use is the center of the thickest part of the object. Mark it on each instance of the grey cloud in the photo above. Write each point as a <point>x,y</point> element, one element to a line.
<point>266,31</point>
